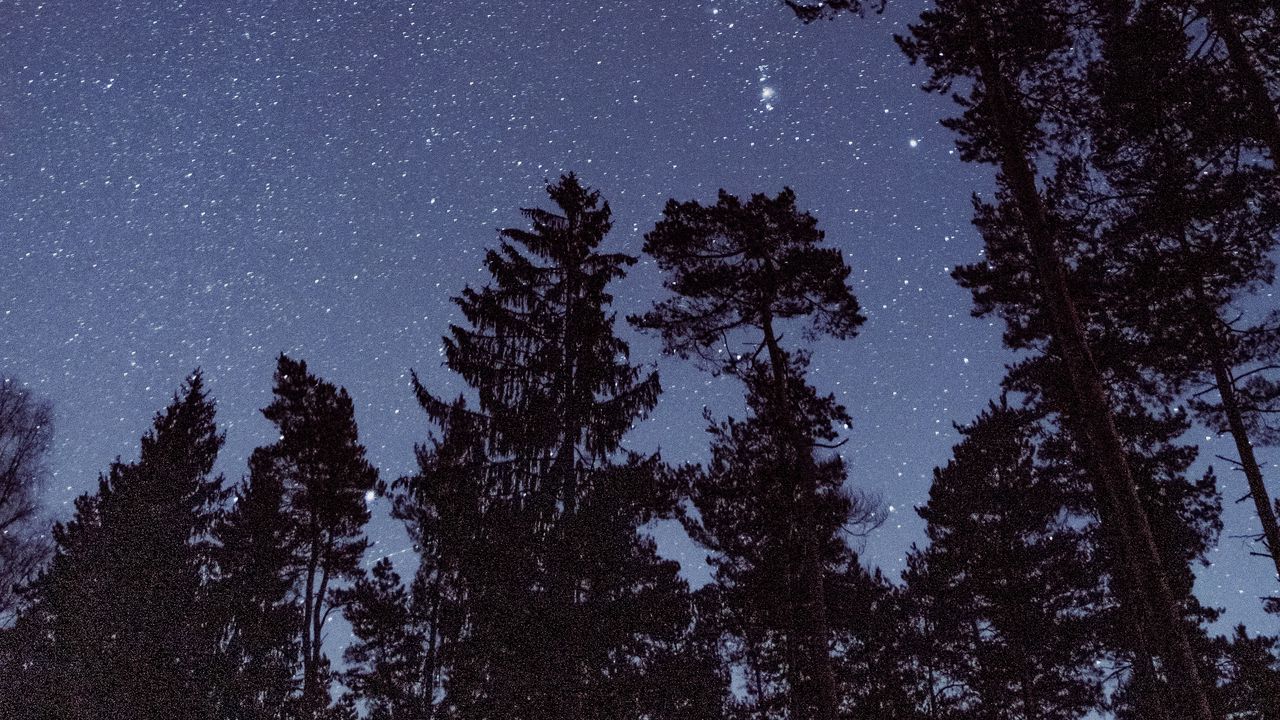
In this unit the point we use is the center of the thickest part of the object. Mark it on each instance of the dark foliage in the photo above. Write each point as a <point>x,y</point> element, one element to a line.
<point>549,601</point>
<point>26,430</point>
<point>319,471</point>
<point>115,621</point>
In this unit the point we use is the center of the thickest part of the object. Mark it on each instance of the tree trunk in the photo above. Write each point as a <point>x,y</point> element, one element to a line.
<point>1091,396</point>
<point>1246,74</point>
<point>308,668</point>
<point>809,615</point>
<point>1239,433</point>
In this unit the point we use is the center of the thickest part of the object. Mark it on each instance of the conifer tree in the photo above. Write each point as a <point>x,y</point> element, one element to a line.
<point>1189,231</point>
<point>741,499</point>
<point>116,620</point>
<point>564,609</point>
<point>1006,584</point>
<point>320,467</point>
<point>1017,60</point>
<point>387,666</point>
<point>257,615</point>
<point>748,269</point>
<point>1247,32</point>
<point>1251,687</point>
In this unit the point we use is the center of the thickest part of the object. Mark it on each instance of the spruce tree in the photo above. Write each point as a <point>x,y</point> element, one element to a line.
<point>116,622</point>
<point>321,470</point>
<point>566,609</point>
<point>743,271</point>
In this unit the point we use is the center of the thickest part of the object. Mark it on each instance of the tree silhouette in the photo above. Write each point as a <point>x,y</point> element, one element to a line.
<point>567,610</point>
<point>747,269</point>
<point>388,665</point>
<point>320,466</point>
<point>1002,49</point>
<point>1187,230</point>
<point>1007,584</point>
<point>254,607</point>
<point>115,621</point>
<point>26,429</point>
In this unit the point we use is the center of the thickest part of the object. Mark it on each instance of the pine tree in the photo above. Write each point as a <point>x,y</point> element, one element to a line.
<point>566,609</point>
<point>116,620</point>
<point>1007,584</point>
<point>1018,60</point>
<point>748,268</point>
<point>254,607</point>
<point>1189,224</point>
<point>1247,33</point>
<point>321,470</point>
<point>1251,690</point>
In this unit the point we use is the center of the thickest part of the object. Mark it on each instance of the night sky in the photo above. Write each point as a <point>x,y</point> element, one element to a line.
<point>211,183</point>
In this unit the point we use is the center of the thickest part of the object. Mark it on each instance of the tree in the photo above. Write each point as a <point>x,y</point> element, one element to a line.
<point>388,667</point>
<point>116,620</point>
<point>1016,59</point>
<point>320,467</point>
<point>742,500</point>
<point>255,610</point>
<point>26,430</point>
<point>1245,32</point>
<point>1007,584</point>
<point>1251,690</point>
<point>1184,515</point>
<point>1180,200</point>
<point>748,268</point>
<point>553,603</point>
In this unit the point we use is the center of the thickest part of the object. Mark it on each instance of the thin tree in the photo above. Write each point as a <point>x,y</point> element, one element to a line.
<point>320,465</point>
<point>997,50</point>
<point>1189,231</point>
<point>26,430</point>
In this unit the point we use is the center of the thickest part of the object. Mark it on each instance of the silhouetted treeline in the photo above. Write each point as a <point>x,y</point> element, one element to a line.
<point>1129,251</point>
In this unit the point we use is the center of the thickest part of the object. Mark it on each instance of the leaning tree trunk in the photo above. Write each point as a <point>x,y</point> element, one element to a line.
<point>1240,433</point>
<point>1092,403</point>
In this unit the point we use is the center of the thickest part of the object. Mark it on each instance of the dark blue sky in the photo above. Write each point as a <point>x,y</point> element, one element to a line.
<point>213,183</point>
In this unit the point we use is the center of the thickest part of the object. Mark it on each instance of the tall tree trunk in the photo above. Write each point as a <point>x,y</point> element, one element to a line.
<point>1091,395</point>
<point>809,616</point>
<point>1247,76</point>
<point>1235,422</point>
<point>308,668</point>
<point>317,648</point>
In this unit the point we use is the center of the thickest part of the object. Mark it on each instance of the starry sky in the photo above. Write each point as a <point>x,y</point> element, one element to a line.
<point>212,183</point>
